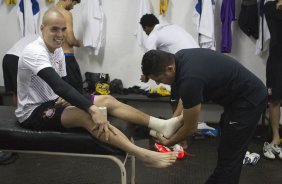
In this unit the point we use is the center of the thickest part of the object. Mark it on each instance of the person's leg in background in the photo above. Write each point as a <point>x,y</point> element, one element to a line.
<point>10,70</point>
<point>73,77</point>
<point>274,86</point>
<point>271,149</point>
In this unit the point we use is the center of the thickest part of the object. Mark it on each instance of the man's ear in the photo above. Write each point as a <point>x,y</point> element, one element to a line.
<point>171,68</point>
<point>41,27</point>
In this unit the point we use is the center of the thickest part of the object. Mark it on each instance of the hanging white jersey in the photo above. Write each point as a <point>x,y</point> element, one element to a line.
<point>28,13</point>
<point>143,8</point>
<point>203,20</point>
<point>92,21</point>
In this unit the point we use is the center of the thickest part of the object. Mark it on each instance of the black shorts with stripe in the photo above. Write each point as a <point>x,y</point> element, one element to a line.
<point>273,79</point>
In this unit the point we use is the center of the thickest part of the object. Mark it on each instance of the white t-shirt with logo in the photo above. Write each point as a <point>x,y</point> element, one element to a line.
<point>32,90</point>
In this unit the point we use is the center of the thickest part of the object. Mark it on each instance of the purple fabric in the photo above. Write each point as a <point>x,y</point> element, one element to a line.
<point>227,15</point>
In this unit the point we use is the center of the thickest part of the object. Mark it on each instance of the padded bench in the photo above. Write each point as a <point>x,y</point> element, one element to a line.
<point>73,142</point>
<point>5,97</point>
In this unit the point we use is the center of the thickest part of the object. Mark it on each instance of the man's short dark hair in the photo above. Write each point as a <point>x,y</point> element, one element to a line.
<point>149,20</point>
<point>77,1</point>
<point>154,62</point>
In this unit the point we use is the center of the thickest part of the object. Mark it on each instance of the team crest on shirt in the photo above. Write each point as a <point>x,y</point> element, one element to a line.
<point>49,113</point>
<point>59,64</point>
<point>269,91</point>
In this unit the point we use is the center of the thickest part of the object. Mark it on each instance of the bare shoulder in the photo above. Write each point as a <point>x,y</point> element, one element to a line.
<point>67,14</point>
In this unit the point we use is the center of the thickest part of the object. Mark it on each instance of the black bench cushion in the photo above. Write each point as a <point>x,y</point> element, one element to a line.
<point>14,137</point>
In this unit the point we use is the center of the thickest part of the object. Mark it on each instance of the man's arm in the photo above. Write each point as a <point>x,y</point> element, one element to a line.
<point>151,42</point>
<point>70,38</point>
<point>178,109</point>
<point>63,89</point>
<point>71,95</point>
<point>190,125</point>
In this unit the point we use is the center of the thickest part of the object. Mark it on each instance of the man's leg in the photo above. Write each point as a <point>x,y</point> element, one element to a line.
<point>272,149</point>
<point>74,117</point>
<point>274,85</point>
<point>238,128</point>
<point>274,110</point>
<point>130,114</point>
<point>73,77</point>
<point>10,70</point>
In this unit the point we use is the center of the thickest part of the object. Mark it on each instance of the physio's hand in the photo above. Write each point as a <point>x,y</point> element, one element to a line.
<point>161,139</point>
<point>101,123</point>
<point>143,78</point>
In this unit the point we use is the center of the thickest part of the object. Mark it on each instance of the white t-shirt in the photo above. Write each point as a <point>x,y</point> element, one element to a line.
<point>19,46</point>
<point>169,38</point>
<point>32,90</point>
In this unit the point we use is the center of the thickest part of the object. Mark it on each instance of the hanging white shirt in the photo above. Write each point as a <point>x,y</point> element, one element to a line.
<point>28,13</point>
<point>143,8</point>
<point>204,22</point>
<point>170,38</point>
<point>92,20</point>
<point>206,26</point>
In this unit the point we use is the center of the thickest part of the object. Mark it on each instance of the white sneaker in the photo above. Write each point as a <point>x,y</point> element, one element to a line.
<point>277,151</point>
<point>267,151</point>
<point>280,155</point>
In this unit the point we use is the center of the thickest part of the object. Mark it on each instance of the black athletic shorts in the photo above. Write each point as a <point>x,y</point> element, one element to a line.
<point>10,71</point>
<point>45,117</point>
<point>273,79</point>
<point>73,77</point>
<point>48,116</point>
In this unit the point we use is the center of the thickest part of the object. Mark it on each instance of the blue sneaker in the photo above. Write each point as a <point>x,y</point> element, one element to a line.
<point>7,157</point>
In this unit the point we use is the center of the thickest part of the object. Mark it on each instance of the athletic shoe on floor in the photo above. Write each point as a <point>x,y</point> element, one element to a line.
<point>267,151</point>
<point>280,155</point>
<point>7,158</point>
<point>251,158</point>
<point>277,150</point>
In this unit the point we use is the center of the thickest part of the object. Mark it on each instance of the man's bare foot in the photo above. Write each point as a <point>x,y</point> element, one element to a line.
<point>156,159</point>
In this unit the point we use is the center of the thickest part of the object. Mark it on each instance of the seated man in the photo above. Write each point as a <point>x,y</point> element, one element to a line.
<point>41,92</point>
